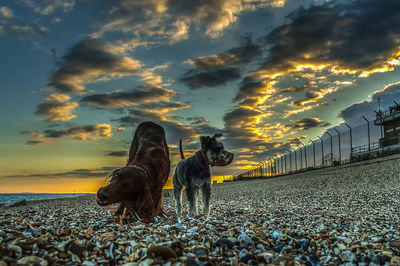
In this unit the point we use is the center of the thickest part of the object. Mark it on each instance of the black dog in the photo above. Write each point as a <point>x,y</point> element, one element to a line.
<point>194,173</point>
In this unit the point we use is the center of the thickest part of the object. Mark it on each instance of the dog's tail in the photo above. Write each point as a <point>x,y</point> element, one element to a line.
<point>180,149</point>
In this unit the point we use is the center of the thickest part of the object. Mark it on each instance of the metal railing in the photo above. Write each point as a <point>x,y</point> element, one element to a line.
<point>340,145</point>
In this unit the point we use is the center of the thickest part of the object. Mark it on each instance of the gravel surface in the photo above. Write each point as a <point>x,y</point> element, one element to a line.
<point>334,216</point>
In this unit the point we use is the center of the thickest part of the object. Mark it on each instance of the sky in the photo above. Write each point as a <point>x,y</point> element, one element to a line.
<point>78,76</point>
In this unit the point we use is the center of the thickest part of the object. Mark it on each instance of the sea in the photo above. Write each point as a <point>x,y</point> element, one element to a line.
<point>11,197</point>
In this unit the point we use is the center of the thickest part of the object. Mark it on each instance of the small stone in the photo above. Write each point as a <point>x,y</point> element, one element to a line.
<point>88,263</point>
<point>245,240</point>
<point>161,251</point>
<point>223,242</point>
<point>336,251</point>
<point>108,236</point>
<point>341,246</point>
<point>347,256</point>
<point>33,260</point>
<point>200,251</point>
<point>395,260</point>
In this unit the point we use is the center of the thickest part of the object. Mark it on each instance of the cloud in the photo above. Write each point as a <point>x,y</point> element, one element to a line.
<point>140,95</point>
<point>355,35</point>
<point>217,70</point>
<point>117,153</point>
<point>310,96</point>
<point>89,132</point>
<point>307,123</point>
<point>48,7</point>
<point>56,111</point>
<point>88,61</point>
<point>6,12</point>
<point>57,97</point>
<point>172,20</point>
<point>212,78</point>
<point>352,114</point>
<point>22,30</point>
<point>215,16</point>
<point>38,138</point>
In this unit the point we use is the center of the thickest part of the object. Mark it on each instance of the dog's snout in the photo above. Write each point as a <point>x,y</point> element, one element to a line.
<point>102,195</point>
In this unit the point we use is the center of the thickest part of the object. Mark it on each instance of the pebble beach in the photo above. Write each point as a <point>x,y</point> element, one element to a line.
<point>344,215</point>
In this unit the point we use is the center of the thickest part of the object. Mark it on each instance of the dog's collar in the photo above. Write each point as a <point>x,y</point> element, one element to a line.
<point>198,161</point>
<point>206,158</point>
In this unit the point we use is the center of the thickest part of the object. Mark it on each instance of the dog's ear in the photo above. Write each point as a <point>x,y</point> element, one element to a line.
<point>204,140</point>
<point>218,135</point>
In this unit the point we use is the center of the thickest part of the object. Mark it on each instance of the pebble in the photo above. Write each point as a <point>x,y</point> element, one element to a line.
<point>331,216</point>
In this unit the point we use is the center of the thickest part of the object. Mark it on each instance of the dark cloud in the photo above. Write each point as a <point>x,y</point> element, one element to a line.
<point>81,133</point>
<point>139,95</point>
<point>217,70</point>
<point>173,130</point>
<point>117,153</point>
<point>307,123</point>
<point>210,78</point>
<point>88,61</point>
<point>297,88</point>
<point>249,87</point>
<point>56,111</point>
<point>310,96</point>
<point>352,34</point>
<point>34,142</point>
<point>352,114</point>
<point>239,115</point>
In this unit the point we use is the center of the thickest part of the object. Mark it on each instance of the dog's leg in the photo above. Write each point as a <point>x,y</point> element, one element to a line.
<point>191,197</point>
<point>178,189</point>
<point>206,193</point>
<point>120,210</point>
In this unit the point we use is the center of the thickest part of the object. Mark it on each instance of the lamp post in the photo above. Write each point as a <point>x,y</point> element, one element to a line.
<point>340,152</point>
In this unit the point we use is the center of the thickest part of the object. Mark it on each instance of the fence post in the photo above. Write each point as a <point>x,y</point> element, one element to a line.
<point>305,155</point>
<point>340,152</point>
<point>290,160</point>
<point>330,136</point>
<point>313,147</point>
<point>351,142</point>
<point>283,171</point>
<point>301,158</point>
<point>322,150</point>
<point>285,164</point>
<point>295,158</point>
<point>369,137</point>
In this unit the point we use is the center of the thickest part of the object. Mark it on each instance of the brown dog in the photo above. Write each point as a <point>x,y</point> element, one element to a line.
<point>138,186</point>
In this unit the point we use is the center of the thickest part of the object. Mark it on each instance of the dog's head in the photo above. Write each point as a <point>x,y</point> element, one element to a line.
<point>214,151</point>
<point>125,184</point>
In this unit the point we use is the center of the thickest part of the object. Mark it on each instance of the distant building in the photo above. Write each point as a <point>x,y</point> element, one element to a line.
<point>390,121</point>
